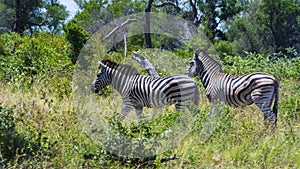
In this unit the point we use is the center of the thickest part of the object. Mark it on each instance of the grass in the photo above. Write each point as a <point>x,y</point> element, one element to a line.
<point>57,139</point>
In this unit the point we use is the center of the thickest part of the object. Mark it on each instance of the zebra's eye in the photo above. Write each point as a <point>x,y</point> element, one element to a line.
<point>191,63</point>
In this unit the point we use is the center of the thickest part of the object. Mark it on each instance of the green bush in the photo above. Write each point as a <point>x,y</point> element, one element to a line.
<point>12,144</point>
<point>224,48</point>
<point>7,132</point>
<point>29,59</point>
<point>77,36</point>
<point>282,68</point>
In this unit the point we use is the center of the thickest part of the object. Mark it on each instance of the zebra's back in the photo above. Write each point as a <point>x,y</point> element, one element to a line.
<point>162,91</point>
<point>240,90</point>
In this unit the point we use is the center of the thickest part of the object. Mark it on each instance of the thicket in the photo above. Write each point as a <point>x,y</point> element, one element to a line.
<point>283,68</point>
<point>42,128</point>
<point>42,59</point>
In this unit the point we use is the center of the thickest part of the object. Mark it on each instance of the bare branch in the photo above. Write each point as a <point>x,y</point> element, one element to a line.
<point>146,64</point>
<point>167,4</point>
<point>117,28</point>
<point>195,12</point>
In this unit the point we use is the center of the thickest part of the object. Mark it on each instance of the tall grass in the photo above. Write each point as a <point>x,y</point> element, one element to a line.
<point>57,140</point>
<point>47,132</point>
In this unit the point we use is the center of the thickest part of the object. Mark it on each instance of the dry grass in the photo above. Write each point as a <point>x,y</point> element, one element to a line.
<point>239,140</point>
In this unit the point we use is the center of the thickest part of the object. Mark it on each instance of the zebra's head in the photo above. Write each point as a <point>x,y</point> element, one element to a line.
<point>194,67</point>
<point>102,79</point>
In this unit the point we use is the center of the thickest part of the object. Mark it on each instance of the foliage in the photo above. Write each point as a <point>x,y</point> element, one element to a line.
<point>93,13</point>
<point>13,145</point>
<point>225,48</point>
<point>239,140</point>
<point>27,60</point>
<point>55,15</point>
<point>281,21</point>
<point>51,124</point>
<point>28,15</point>
<point>283,68</point>
<point>6,19</point>
<point>214,13</point>
<point>265,27</point>
<point>39,127</point>
<point>7,130</point>
<point>77,36</point>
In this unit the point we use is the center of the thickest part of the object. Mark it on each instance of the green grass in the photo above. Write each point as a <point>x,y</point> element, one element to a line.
<point>57,139</point>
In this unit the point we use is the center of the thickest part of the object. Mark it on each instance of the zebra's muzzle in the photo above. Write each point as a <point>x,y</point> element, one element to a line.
<point>94,89</point>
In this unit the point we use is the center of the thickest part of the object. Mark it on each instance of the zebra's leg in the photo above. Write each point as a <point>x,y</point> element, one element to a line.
<point>125,110</point>
<point>264,103</point>
<point>179,106</point>
<point>216,107</point>
<point>139,111</point>
<point>195,100</point>
<point>211,120</point>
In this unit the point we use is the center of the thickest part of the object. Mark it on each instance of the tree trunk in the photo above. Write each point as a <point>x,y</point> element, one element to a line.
<point>19,28</point>
<point>147,24</point>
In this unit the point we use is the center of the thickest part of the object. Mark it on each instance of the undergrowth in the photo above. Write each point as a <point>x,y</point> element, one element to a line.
<point>41,129</point>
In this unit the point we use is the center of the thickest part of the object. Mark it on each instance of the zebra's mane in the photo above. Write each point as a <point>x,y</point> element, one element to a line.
<point>203,56</point>
<point>122,68</point>
<point>109,63</point>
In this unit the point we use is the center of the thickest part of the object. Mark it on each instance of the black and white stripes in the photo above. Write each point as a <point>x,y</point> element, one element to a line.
<point>141,91</point>
<point>258,87</point>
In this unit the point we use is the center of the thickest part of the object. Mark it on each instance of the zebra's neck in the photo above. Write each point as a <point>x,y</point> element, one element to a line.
<point>120,81</point>
<point>208,69</point>
<point>206,76</point>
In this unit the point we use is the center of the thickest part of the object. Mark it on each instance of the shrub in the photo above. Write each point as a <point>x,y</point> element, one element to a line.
<point>283,68</point>
<point>77,36</point>
<point>25,60</point>
<point>12,144</point>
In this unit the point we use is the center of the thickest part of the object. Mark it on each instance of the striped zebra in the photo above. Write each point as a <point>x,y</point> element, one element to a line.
<point>139,91</point>
<point>258,87</point>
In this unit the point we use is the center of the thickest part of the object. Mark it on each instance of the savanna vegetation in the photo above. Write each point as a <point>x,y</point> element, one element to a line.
<point>40,128</point>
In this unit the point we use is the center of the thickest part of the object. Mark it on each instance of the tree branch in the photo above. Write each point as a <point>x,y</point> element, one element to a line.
<point>165,159</point>
<point>195,12</point>
<point>167,4</point>
<point>117,28</point>
<point>145,63</point>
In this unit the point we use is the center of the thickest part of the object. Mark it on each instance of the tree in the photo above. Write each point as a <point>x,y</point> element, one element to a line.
<point>266,26</point>
<point>209,16</point>
<point>33,15</point>
<point>77,36</point>
<point>6,18</point>
<point>281,19</point>
<point>96,13</point>
<point>244,30</point>
<point>214,14</point>
<point>55,15</point>
<point>147,24</point>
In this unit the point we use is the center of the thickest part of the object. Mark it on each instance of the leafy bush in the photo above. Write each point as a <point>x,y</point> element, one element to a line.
<point>26,60</point>
<point>12,144</point>
<point>225,48</point>
<point>7,132</point>
<point>77,36</point>
<point>282,68</point>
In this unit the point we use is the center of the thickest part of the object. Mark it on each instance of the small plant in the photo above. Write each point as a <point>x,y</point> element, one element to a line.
<point>12,145</point>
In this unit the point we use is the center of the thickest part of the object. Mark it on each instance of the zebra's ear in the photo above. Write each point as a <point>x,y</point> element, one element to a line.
<point>101,65</point>
<point>199,53</point>
<point>196,54</point>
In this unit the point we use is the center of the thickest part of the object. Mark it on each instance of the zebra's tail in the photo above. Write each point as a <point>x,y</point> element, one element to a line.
<point>275,106</point>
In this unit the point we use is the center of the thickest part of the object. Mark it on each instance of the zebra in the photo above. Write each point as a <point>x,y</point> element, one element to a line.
<point>258,87</point>
<point>139,91</point>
